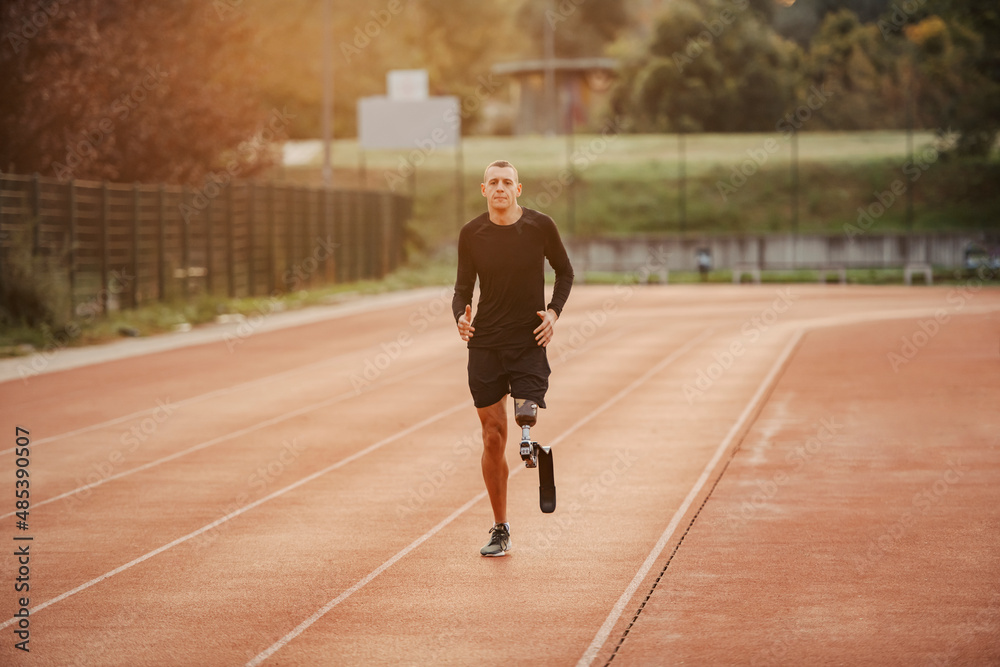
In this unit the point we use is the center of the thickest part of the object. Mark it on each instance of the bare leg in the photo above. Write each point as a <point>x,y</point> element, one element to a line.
<point>495,471</point>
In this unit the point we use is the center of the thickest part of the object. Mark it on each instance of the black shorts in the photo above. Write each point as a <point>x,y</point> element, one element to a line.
<point>521,372</point>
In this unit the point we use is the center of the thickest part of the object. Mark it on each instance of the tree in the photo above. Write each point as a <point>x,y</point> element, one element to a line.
<point>711,67</point>
<point>456,41</point>
<point>874,70</point>
<point>861,72</point>
<point>800,20</point>
<point>130,91</point>
<point>580,28</point>
<point>965,55</point>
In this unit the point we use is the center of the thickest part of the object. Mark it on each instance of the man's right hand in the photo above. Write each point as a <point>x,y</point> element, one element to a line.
<point>465,328</point>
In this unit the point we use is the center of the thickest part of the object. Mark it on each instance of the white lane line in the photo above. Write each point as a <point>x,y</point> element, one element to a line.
<point>222,391</point>
<point>361,583</point>
<point>64,359</point>
<point>247,508</point>
<point>280,418</point>
<point>191,399</point>
<point>808,324</point>
<point>304,480</point>
<point>234,434</point>
<point>626,596</point>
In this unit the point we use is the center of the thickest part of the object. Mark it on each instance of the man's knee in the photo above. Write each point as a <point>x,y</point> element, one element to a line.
<point>493,433</point>
<point>494,442</point>
<point>525,412</point>
<point>494,427</point>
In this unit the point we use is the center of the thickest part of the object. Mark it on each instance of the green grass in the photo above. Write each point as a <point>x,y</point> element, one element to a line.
<point>625,185</point>
<point>628,184</point>
<point>158,318</point>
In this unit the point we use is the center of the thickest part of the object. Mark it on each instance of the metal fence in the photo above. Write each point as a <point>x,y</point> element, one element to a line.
<point>125,245</point>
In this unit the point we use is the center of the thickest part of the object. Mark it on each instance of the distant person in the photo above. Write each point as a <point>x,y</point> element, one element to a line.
<point>704,263</point>
<point>506,248</point>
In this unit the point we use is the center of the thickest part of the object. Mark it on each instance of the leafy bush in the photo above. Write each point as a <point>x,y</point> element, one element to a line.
<point>34,289</point>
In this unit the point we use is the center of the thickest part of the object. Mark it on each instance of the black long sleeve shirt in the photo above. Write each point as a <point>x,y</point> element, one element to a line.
<point>509,261</point>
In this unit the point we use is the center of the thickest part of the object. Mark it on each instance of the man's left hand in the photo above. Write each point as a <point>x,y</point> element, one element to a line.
<point>543,334</point>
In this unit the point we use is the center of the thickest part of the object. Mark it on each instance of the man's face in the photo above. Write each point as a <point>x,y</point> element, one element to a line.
<point>501,188</point>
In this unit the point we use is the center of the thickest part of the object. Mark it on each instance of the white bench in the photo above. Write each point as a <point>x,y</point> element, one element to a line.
<point>925,269</point>
<point>839,270</point>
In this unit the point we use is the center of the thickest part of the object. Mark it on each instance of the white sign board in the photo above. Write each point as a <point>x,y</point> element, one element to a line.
<point>407,85</point>
<point>428,124</point>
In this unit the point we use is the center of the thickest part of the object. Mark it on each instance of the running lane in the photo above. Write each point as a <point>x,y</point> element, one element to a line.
<point>345,526</point>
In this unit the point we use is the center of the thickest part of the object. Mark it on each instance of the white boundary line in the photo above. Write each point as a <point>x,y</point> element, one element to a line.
<point>276,420</point>
<point>246,508</point>
<point>626,596</point>
<point>361,583</point>
<point>222,391</point>
<point>233,434</point>
<point>290,487</point>
<point>808,324</point>
<point>68,358</point>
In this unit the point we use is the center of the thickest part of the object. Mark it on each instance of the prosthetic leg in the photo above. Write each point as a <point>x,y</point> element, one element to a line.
<point>534,455</point>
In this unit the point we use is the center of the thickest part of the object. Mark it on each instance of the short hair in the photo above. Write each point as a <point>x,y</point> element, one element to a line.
<point>500,163</point>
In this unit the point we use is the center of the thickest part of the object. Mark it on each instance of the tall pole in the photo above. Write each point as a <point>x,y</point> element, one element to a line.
<point>795,181</point>
<point>795,193</point>
<point>550,77</point>
<point>682,181</point>
<point>327,27</point>
<point>459,183</point>
<point>909,155</point>
<point>571,188</point>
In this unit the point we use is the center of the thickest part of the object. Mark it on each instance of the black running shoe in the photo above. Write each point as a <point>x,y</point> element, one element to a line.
<point>499,543</point>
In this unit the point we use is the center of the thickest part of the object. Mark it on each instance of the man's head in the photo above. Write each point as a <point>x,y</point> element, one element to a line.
<point>500,185</point>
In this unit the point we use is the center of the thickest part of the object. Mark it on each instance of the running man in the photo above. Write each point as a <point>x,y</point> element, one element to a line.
<point>506,248</point>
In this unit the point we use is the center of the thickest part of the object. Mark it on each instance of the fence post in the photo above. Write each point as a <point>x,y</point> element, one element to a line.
<point>71,249</point>
<point>209,265</point>
<point>230,243</point>
<point>3,235</point>
<point>370,219</point>
<point>460,182</point>
<point>342,237</point>
<point>795,194</point>
<point>386,227</point>
<point>375,232</point>
<point>324,231</point>
<point>186,245</point>
<point>37,211</point>
<point>271,241</point>
<point>250,238</point>
<point>136,208</point>
<point>377,235</point>
<point>309,251</point>
<point>357,248</point>
<point>682,182</point>
<point>289,233</point>
<point>358,236</point>
<point>105,205</point>
<point>161,251</point>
